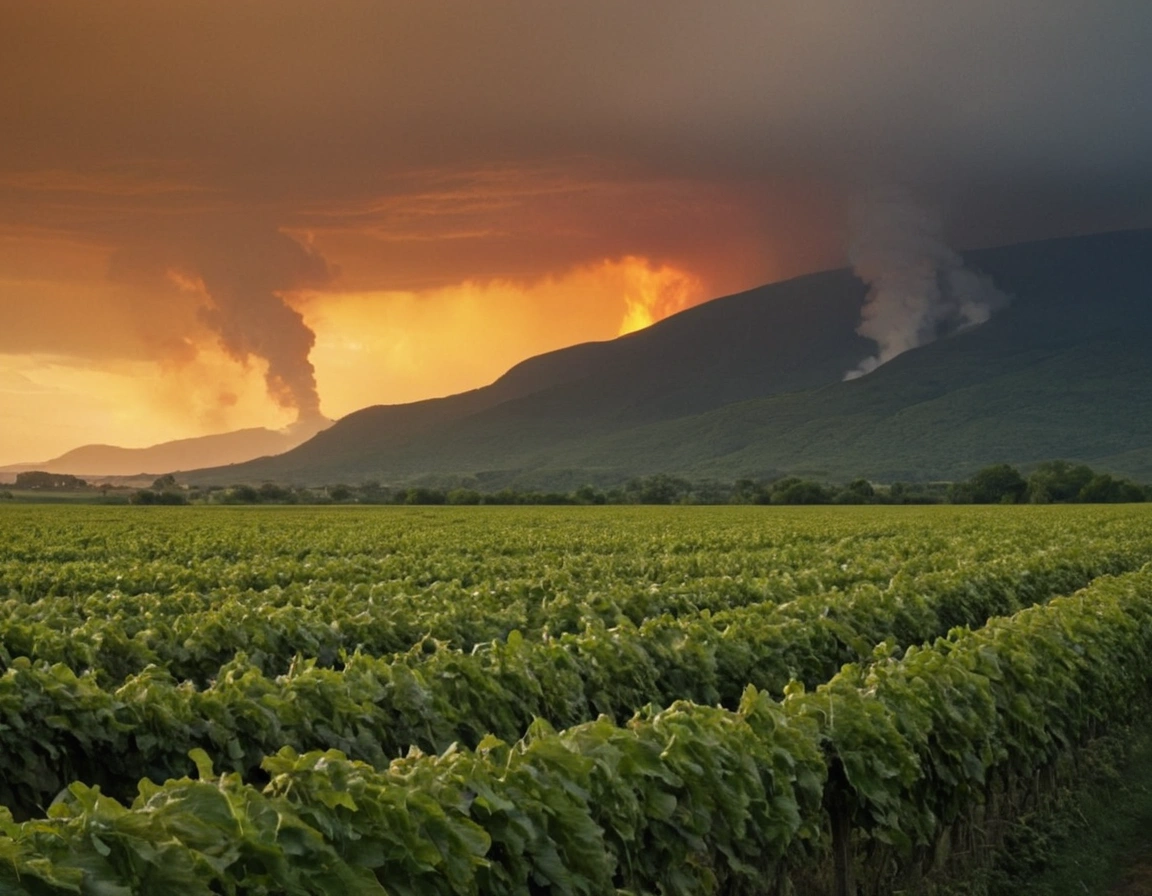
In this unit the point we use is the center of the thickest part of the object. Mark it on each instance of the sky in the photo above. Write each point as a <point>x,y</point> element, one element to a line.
<point>217,215</point>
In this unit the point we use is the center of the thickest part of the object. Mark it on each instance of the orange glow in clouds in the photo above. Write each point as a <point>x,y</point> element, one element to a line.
<point>161,376</point>
<point>652,294</point>
<point>50,406</point>
<point>395,347</point>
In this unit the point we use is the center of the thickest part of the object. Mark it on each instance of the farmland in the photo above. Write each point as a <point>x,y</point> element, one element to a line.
<point>573,700</point>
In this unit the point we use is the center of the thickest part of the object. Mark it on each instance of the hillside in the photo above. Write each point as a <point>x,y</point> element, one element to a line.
<point>751,384</point>
<point>179,454</point>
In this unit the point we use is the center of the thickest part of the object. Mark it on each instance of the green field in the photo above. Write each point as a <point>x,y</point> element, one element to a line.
<point>486,700</point>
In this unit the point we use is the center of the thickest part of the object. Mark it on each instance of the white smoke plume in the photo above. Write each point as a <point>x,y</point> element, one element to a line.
<point>919,287</point>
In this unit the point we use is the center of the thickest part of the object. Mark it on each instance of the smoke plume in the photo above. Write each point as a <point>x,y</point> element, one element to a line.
<point>920,288</point>
<point>245,273</point>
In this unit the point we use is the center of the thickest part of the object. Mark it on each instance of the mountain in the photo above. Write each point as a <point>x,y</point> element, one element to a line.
<point>181,454</point>
<point>752,384</point>
<point>792,335</point>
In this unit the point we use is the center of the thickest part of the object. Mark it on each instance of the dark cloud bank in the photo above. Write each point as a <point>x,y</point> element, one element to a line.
<point>996,120</point>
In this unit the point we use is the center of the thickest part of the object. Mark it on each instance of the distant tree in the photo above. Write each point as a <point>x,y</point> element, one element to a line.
<point>751,491</point>
<point>423,495</point>
<point>744,491</point>
<point>463,496</point>
<point>799,491</point>
<point>711,491</point>
<point>340,492</point>
<point>271,493</point>
<point>1057,481</point>
<point>41,479</point>
<point>1104,489</point>
<point>782,485</point>
<point>147,496</point>
<point>372,492</point>
<point>587,494</point>
<point>164,482</point>
<point>961,493</point>
<point>858,491</point>
<point>240,494</point>
<point>6,495</point>
<point>998,484</point>
<point>659,489</point>
<point>1129,492</point>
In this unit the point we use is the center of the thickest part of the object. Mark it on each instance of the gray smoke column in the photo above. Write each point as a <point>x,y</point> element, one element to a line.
<point>919,287</point>
<point>246,270</point>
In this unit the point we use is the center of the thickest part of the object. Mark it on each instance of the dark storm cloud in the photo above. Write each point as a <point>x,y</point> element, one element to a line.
<point>983,83</point>
<point>292,98</point>
<point>1012,119</point>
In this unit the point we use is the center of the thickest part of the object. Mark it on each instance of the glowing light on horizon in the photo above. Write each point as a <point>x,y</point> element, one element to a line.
<point>165,376</point>
<point>394,347</point>
<point>54,405</point>
<point>654,293</point>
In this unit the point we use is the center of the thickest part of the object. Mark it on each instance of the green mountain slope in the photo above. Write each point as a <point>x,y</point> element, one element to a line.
<point>1084,402</point>
<point>751,385</point>
<point>787,336</point>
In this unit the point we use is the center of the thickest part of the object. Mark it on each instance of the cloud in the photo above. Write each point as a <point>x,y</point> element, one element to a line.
<point>403,346</point>
<point>251,148</point>
<point>290,101</point>
<point>125,402</point>
<point>453,137</point>
<point>15,383</point>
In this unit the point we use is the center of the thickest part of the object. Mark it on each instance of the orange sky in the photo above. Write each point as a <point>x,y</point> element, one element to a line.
<point>129,363</point>
<point>217,215</point>
<point>110,284</point>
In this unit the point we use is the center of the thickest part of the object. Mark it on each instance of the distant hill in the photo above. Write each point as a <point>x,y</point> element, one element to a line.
<point>167,457</point>
<point>752,384</point>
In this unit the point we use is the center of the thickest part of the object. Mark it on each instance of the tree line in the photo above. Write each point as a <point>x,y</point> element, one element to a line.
<point>1052,482</point>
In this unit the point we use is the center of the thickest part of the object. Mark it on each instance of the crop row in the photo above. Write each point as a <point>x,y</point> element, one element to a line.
<point>193,634</point>
<point>285,601</point>
<point>166,551</point>
<point>682,801</point>
<point>56,726</point>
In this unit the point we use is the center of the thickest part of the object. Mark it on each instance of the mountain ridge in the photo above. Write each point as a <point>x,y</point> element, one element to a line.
<point>171,456</point>
<point>753,382</point>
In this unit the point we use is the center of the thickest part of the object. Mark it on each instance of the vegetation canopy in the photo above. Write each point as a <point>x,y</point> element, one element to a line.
<point>483,700</point>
